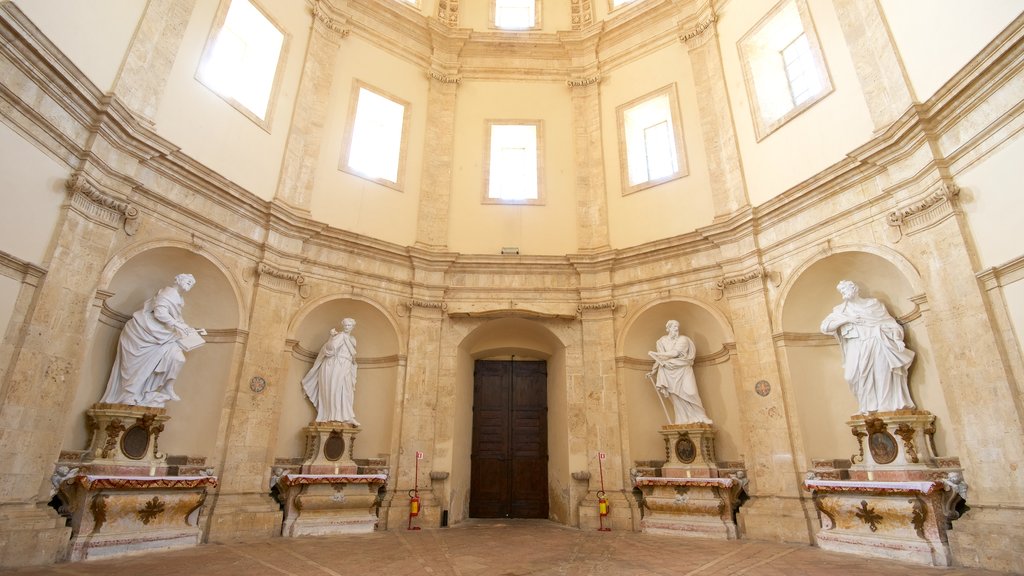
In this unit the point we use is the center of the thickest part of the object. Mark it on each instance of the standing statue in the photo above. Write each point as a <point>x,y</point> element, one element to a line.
<point>875,360</point>
<point>151,349</point>
<point>331,383</point>
<point>673,363</point>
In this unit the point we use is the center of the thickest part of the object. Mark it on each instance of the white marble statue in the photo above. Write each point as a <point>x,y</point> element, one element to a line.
<point>151,350</point>
<point>875,360</point>
<point>331,383</point>
<point>673,364</point>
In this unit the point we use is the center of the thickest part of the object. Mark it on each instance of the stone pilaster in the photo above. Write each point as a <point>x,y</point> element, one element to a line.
<point>605,422</point>
<point>143,77</point>
<point>879,69</point>
<point>436,178</point>
<point>591,191</point>
<point>728,186</point>
<point>43,376</point>
<point>777,509</point>
<point>243,507</point>
<point>295,186</point>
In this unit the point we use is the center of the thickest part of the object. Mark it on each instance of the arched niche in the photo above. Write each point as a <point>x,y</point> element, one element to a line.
<point>377,355</point>
<point>211,304</point>
<point>514,339</point>
<point>713,370</point>
<point>824,401</point>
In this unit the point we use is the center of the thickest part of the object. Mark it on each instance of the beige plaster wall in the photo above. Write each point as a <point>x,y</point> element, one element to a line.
<point>481,228</point>
<point>803,145</point>
<point>212,131</point>
<point>347,201</point>
<point>674,207</point>
<point>94,35</point>
<point>936,38</point>
<point>32,183</point>
<point>990,199</point>
<point>9,289</point>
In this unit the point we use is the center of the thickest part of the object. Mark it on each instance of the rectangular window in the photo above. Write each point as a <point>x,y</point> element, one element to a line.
<point>376,139</point>
<point>513,164</point>
<point>619,3</point>
<point>515,14</point>
<point>650,140</point>
<point>783,66</point>
<point>243,58</point>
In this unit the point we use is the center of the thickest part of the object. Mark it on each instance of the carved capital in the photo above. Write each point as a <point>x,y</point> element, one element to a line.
<point>582,81</point>
<point>101,207</point>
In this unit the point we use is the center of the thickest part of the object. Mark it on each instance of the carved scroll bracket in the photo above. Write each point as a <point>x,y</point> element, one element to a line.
<point>736,284</point>
<point>583,81</point>
<point>428,304</point>
<point>326,22</point>
<point>282,280</point>
<point>694,32</point>
<point>100,207</point>
<point>444,77</point>
<point>922,215</point>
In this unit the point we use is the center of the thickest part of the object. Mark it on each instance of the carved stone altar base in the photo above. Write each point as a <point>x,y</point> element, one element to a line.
<point>115,515</point>
<point>700,507</point>
<point>123,439</point>
<point>897,500</point>
<point>329,448</point>
<point>317,505</point>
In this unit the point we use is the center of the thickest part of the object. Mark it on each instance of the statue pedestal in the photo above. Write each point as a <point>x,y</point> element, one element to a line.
<point>897,500</point>
<point>329,448</point>
<point>690,449</point>
<point>123,439</point>
<point>115,515</point>
<point>691,495</point>
<point>321,504</point>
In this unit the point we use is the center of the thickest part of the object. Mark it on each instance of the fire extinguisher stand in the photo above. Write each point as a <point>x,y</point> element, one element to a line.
<point>414,494</point>
<point>602,502</point>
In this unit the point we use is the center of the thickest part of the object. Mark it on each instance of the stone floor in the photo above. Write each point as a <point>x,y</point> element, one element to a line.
<point>495,548</point>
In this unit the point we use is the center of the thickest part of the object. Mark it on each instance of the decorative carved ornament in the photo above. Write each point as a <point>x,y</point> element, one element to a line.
<point>868,516</point>
<point>324,19</point>
<point>881,443</point>
<point>906,432</point>
<point>151,510</point>
<point>103,208</point>
<point>114,429</point>
<point>444,78</point>
<point>860,435</point>
<point>429,304</point>
<point>284,280</point>
<point>606,305</point>
<point>582,13</point>
<point>695,36</point>
<point>448,12</point>
<point>924,214</point>
<point>583,81</point>
<point>918,515</point>
<point>98,507</point>
<point>735,284</point>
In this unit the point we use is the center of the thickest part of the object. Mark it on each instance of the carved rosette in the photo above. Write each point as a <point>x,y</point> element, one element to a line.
<point>448,12</point>
<point>582,14</point>
<point>100,207</point>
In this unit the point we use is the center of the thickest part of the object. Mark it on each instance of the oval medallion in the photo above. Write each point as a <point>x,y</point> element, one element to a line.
<point>685,450</point>
<point>134,442</point>
<point>334,447</point>
<point>883,447</point>
<point>762,387</point>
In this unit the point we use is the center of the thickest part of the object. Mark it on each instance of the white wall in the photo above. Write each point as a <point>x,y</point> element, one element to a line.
<point>95,35</point>
<point>936,38</point>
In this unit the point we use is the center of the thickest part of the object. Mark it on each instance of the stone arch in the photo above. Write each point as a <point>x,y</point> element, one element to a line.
<point>380,355</point>
<point>472,339</point>
<point>714,369</point>
<point>131,277</point>
<point>811,362</point>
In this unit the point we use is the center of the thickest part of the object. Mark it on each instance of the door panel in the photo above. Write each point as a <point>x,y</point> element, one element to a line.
<point>509,460</point>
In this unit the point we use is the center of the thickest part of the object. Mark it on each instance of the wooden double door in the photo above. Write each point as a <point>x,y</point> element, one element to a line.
<point>510,440</point>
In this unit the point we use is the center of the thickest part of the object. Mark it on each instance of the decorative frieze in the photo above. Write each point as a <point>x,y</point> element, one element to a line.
<point>448,12</point>
<point>606,305</point>
<point>322,18</point>
<point>100,207</point>
<point>282,280</point>
<point>433,304</point>
<point>444,78</point>
<point>582,14</point>
<point>935,208</point>
<point>696,34</point>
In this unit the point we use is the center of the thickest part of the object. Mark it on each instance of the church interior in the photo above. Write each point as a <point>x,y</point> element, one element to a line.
<point>511,199</point>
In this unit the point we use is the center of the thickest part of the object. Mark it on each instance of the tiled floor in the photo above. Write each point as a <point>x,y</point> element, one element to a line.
<point>496,548</point>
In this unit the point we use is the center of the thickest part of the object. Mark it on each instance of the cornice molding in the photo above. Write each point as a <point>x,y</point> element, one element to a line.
<point>324,19</point>
<point>21,270</point>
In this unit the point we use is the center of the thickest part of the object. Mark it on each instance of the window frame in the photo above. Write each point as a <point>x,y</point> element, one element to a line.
<point>486,198</point>
<point>612,6</point>
<point>201,76</point>
<point>537,21</point>
<point>748,49</point>
<point>346,148</point>
<point>682,167</point>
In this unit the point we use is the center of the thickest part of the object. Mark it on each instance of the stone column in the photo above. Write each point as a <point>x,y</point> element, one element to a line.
<point>243,507</point>
<point>778,509</point>
<point>436,178</point>
<point>728,186</point>
<point>879,68</point>
<point>143,77</point>
<point>305,134</point>
<point>44,375</point>
<point>591,191</point>
<point>978,386</point>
